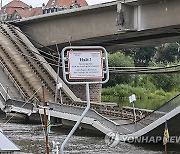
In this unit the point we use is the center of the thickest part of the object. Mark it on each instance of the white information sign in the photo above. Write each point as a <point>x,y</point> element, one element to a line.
<point>132,98</point>
<point>85,64</point>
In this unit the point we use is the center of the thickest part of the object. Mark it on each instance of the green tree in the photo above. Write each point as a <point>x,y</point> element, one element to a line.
<point>168,53</point>
<point>167,82</point>
<point>119,59</point>
<point>143,55</point>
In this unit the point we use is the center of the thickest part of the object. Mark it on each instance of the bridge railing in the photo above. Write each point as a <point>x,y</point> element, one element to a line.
<point>4,92</point>
<point>47,67</point>
<point>145,121</point>
<point>13,80</point>
<point>123,128</point>
<point>91,114</point>
<point>161,111</point>
<point>150,118</point>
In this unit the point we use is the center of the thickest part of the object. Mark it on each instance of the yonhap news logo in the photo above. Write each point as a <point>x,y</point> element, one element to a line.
<point>113,138</point>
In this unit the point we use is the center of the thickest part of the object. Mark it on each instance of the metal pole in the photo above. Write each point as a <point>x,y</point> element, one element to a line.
<point>165,150</point>
<point>7,91</point>
<point>60,95</point>
<point>45,120</point>
<point>57,80</point>
<point>79,121</point>
<point>134,115</point>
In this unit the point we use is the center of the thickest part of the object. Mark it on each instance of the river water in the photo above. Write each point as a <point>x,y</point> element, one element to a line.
<point>30,139</point>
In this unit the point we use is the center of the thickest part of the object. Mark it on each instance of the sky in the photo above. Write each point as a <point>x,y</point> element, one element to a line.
<point>36,3</point>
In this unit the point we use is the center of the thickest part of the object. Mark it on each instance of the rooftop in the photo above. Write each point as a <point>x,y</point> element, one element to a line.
<point>52,3</point>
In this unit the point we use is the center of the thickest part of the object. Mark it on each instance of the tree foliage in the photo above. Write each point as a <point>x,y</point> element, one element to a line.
<point>150,84</point>
<point>119,59</point>
<point>144,55</point>
<point>167,53</point>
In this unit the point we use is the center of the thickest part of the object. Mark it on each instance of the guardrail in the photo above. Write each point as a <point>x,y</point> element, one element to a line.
<point>161,111</point>
<point>13,80</point>
<point>91,114</point>
<point>6,93</point>
<point>123,128</point>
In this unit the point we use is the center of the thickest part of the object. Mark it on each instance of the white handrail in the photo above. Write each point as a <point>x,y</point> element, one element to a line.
<point>49,69</point>
<point>6,92</point>
<point>13,80</point>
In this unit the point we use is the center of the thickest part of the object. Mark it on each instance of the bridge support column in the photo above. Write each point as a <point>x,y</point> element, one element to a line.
<point>95,92</point>
<point>147,14</point>
<point>126,17</point>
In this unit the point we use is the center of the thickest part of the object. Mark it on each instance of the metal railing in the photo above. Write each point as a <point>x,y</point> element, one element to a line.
<point>13,80</point>
<point>48,68</point>
<point>123,128</point>
<point>91,114</point>
<point>5,91</point>
<point>161,111</point>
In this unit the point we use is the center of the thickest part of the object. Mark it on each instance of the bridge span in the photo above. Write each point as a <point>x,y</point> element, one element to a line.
<point>114,120</point>
<point>123,24</point>
<point>24,69</point>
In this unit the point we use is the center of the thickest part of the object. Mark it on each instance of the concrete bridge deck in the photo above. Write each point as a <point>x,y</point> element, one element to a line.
<point>122,24</point>
<point>101,25</point>
<point>150,125</point>
<point>25,69</point>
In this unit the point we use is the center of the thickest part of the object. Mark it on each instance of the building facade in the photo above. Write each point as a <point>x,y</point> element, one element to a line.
<point>60,5</point>
<point>17,9</point>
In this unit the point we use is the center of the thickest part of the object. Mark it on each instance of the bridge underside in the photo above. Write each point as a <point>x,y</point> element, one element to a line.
<point>115,25</point>
<point>132,39</point>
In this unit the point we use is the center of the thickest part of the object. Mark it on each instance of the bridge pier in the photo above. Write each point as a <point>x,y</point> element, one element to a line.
<point>95,92</point>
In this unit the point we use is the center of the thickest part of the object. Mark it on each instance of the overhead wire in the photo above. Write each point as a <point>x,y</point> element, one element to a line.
<point>145,72</point>
<point>49,54</point>
<point>53,64</point>
<point>141,71</point>
<point>150,70</point>
<point>111,71</point>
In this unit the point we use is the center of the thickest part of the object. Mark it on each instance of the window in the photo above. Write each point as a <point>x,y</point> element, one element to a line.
<point>53,2</point>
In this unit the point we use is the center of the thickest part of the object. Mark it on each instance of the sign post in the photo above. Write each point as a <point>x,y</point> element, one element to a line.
<point>132,100</point>
<point>59,86</point>
<point>86,65</point>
